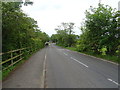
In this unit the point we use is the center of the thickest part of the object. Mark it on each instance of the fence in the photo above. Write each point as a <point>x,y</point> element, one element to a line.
<point>12,57</point>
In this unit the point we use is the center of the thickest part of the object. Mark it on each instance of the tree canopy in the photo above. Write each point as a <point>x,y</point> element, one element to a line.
<point>100,30</point>
<point>65,35</point>
<point>19,30</point>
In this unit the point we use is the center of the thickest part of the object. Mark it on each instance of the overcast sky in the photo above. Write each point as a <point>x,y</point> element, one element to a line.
<point>51,13</point>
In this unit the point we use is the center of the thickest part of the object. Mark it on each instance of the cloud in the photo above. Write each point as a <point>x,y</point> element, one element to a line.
<point>51,13</point>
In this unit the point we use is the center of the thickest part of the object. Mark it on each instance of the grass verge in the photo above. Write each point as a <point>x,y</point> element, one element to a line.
<point>106,57</point>
<point>71,48</point>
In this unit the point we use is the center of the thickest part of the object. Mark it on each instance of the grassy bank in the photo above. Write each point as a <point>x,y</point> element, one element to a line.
<point>106,57</point>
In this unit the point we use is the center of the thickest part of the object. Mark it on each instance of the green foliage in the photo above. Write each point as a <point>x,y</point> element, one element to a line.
<point>103,50</point>
<point>100,33</point>
<point>65,36</point>
<point>106,57</point>
<point>71,48</point>
<point>19,30</point>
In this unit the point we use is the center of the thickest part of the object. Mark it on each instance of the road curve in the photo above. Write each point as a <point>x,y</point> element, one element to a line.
<point>69,69</point>
<point>57,67</point>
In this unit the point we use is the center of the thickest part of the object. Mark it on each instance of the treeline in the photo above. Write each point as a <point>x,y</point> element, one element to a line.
<point>65,35</point>
<point>100,33</point>
<point>19,30</point>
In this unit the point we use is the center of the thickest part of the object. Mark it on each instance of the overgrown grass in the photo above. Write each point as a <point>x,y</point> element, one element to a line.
<point>72,48</point>
<point>60,45</point>
<point>106,57</point>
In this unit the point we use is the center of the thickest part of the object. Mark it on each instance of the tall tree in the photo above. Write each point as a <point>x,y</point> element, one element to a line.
<point>19,30</point>
<point>100,30</point>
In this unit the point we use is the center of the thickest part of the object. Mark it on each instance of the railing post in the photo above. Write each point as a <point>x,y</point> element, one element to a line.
<point>20,53</point>
<point>12,59</point>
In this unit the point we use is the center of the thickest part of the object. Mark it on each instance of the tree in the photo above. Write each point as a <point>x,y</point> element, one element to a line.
<point>19,30</point>
<point>64,36</point>
<point>100,30</point>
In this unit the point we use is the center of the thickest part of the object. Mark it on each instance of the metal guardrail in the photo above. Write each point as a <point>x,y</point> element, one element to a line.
<point>19,57</point>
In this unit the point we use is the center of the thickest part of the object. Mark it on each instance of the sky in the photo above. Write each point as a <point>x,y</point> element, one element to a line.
<point>51,13</point>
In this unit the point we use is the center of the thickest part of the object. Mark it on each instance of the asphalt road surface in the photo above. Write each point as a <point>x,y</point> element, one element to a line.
<point>56,67</point>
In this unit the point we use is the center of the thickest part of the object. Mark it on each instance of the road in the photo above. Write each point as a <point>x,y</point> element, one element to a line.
<point>56,67</point>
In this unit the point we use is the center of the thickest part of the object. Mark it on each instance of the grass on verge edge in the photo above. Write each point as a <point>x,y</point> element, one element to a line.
<point>106,57</point>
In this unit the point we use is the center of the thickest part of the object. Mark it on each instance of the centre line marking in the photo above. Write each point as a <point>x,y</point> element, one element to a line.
<point>45,56</point>
<point>79,62</point>
<point>43,85</point>
<point>113,81</point>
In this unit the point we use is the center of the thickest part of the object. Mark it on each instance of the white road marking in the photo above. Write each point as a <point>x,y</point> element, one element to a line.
<point>96,57</point>
<point>44,70</point>
<point>66,54</point>
<point>113,81</point>
<point>45,56</point>
<point>79,62</point>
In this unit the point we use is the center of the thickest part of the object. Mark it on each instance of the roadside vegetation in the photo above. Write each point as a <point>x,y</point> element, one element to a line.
<point>19,31</point>
<point>100,34</point>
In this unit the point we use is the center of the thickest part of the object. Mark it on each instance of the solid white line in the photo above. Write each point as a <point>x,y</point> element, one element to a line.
<point>113,81</point>
<point>45,56</point>
<point>79,62</point>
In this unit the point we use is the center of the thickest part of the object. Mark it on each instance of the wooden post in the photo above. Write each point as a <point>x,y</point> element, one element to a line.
<point>11,57</point>
<point>20,53</point>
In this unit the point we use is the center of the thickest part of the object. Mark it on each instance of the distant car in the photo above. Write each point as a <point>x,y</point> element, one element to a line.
<point>46,43</point>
